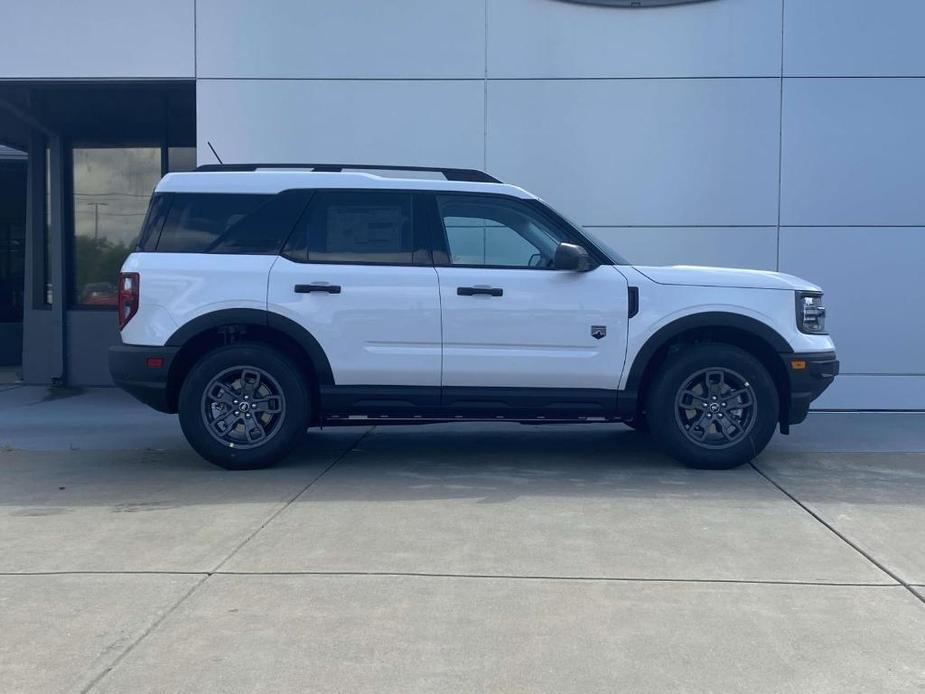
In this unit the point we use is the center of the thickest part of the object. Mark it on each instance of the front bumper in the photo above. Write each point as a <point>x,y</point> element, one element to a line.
<point>134,369</point>
<point>808,375</point>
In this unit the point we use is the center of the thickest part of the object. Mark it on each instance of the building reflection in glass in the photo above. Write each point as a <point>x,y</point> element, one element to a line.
<point>112,187</point>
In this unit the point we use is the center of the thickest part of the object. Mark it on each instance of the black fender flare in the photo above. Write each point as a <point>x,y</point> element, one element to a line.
<point>267,319</point>
<point>709,319</point>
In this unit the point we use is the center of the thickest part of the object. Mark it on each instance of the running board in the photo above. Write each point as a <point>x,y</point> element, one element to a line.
<point>362,420</point>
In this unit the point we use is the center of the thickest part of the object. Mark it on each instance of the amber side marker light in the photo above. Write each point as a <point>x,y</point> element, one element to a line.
<point>797,364</point>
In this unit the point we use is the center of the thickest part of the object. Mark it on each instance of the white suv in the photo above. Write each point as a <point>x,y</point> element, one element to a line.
<point>265,299</point>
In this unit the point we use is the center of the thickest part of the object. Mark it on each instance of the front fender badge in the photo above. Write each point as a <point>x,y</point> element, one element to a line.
<point>598,331</point>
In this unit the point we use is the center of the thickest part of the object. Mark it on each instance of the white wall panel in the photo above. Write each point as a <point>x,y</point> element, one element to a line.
<point>873,393</point>
<point>415,122</point>
<point>750,247</point>
<point>541,38</point>
<point>828,38</point>
<point>343,38</point>
<point>630,152</point>
<point>873,290</point>
<point>853,152</point>
<point>96,39</point>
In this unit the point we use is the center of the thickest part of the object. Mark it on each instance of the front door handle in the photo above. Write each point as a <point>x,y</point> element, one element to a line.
<point>472,291</point>
<point>316,287</point>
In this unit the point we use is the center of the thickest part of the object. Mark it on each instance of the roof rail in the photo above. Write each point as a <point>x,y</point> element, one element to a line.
<point>473,175</point>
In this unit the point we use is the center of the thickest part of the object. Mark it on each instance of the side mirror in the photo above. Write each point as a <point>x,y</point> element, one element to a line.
<point>570,256</point>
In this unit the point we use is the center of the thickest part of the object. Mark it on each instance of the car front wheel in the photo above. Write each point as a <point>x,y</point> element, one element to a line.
<point>244,406</point>
<point>713,406</point>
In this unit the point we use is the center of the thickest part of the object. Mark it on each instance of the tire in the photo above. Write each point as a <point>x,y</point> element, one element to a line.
<point>222,390</point>
<point>715,423</point>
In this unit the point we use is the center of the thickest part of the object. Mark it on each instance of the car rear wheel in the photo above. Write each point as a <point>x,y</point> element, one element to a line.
<point>244,406</point>
<point>713,406</point>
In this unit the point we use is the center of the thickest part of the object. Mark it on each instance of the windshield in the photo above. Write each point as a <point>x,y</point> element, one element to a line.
<point>600,244</point>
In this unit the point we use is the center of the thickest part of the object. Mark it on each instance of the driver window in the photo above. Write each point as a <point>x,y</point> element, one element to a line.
<point>496,232</point>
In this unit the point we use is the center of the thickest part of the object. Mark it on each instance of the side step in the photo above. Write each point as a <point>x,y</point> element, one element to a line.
<point>384,420</point>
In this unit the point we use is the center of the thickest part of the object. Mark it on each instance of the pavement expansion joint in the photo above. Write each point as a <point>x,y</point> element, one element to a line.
<point>208,574</point>
<point>294,498</point>
<point>841,536</point>
<point>503,577</point>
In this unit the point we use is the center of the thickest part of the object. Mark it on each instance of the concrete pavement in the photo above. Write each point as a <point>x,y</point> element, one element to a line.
<point>455,558</point>
<point>436,634</point>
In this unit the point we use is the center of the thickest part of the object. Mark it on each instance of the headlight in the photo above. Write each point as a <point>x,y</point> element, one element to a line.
<point>810,313</point>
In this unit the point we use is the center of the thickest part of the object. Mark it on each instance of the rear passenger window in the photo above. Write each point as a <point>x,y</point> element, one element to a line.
<point>356,227</point>
<point>229,222</point>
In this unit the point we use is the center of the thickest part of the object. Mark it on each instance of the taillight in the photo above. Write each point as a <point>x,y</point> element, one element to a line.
<point>128,296</point>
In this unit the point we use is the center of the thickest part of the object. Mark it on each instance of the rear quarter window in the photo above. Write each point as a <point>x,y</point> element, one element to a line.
<point>154,221</point>
<point>236,223</point>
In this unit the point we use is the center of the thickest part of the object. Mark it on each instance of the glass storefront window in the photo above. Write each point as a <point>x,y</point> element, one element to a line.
<point>12,266</point>
<point>46,259</point>
<point>181,159</point>
<point>12,245</point>
<point>112,186</point>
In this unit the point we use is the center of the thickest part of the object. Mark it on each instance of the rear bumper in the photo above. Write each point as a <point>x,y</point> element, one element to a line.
<point>818,371</point>
<point>132,370</point>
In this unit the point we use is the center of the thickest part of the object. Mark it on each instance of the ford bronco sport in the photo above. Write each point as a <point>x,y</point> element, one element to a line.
<point>265,299</point>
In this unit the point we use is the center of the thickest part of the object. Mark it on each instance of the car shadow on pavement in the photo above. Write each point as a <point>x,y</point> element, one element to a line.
<point>492,462</point>
<point>459,498</point>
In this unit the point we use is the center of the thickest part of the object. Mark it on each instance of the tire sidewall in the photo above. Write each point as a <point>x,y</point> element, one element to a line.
<point>295,416</point>
<point>680,367</point>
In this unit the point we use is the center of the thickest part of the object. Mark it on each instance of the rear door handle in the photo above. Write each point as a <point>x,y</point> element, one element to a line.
<point>317,287</point>
<point>472,291</point>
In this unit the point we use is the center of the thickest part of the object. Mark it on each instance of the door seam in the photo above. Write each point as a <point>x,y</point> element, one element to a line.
<point>440,304</point>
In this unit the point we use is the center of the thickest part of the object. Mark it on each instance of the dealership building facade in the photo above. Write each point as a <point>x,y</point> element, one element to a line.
<point>769,134</point>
